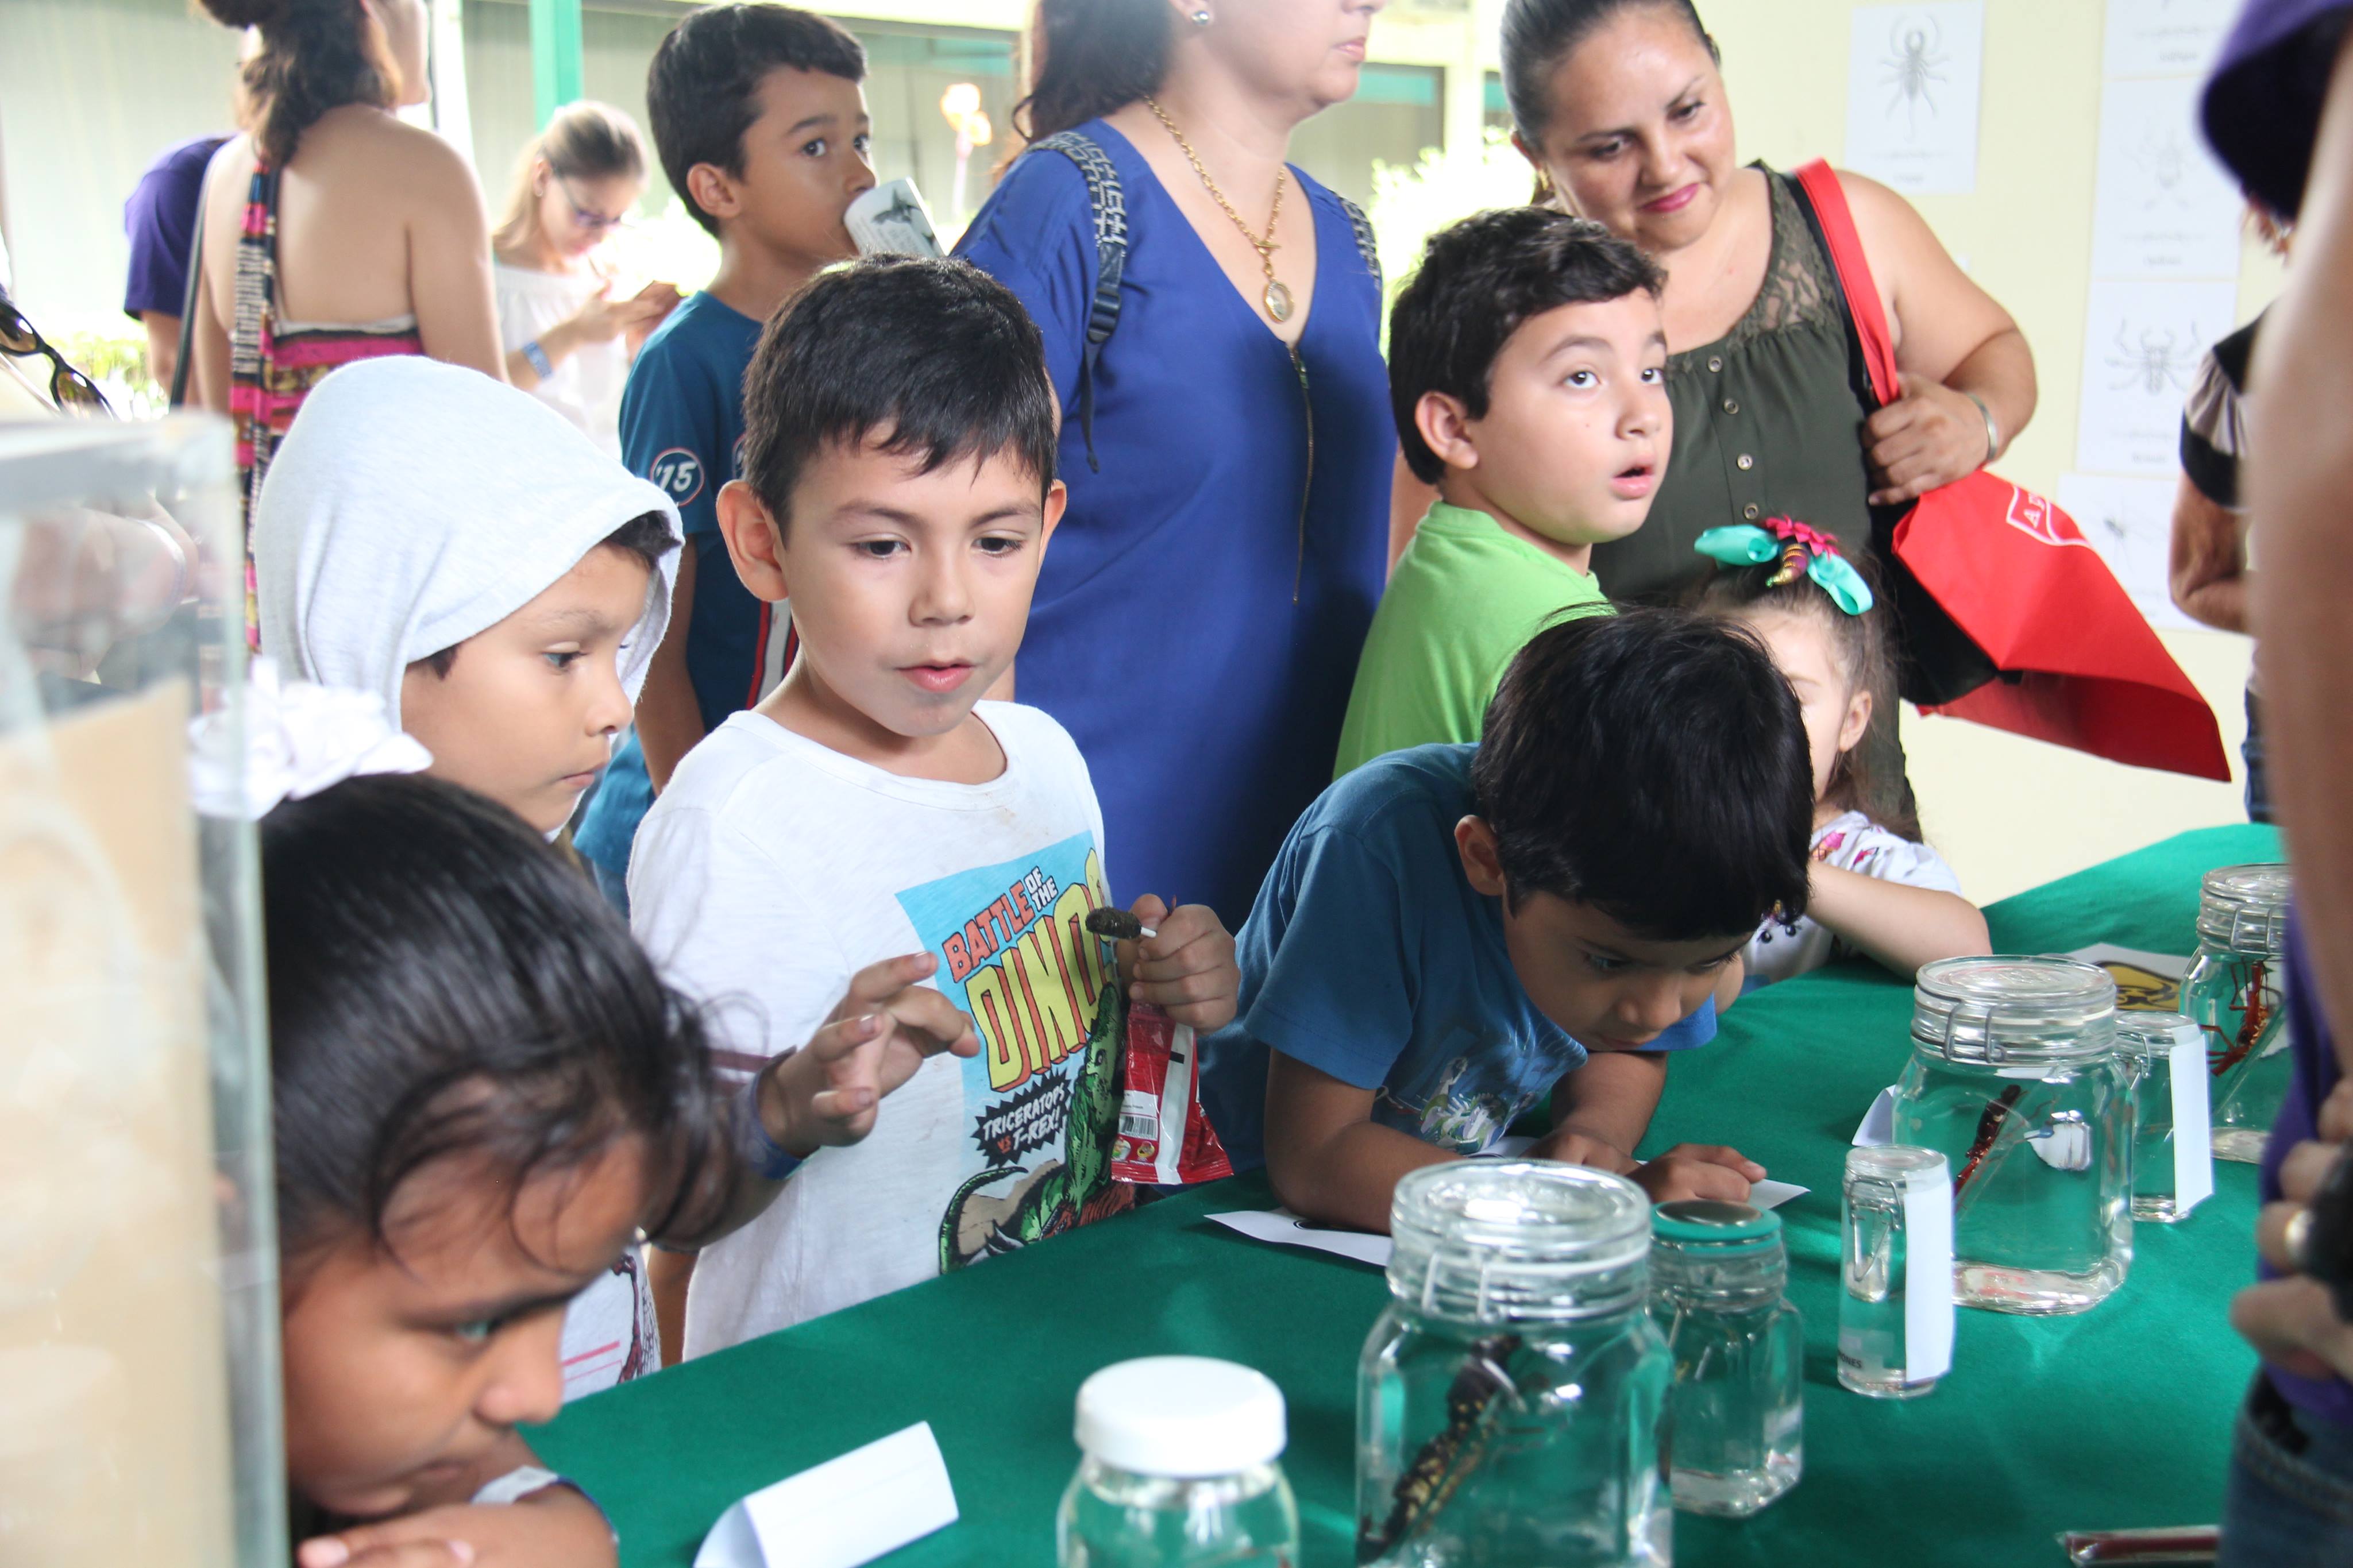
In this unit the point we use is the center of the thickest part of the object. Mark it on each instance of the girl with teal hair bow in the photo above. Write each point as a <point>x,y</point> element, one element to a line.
<point>1874,889</point>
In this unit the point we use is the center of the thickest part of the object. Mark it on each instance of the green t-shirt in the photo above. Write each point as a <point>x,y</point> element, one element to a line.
<point>1466,597</point>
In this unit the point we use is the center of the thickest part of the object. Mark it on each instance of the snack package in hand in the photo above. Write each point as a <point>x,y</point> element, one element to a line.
<point>1163,1134</point>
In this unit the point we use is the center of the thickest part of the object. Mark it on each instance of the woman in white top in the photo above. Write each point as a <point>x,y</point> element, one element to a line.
<point>566,339</point>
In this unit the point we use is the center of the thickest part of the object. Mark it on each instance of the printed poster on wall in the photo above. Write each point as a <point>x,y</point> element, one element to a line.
<point>2165,38</point>
<point>1913,80</point>
<point>2162,206</point>
<point>2130,523</point>
<point>2142,344</point>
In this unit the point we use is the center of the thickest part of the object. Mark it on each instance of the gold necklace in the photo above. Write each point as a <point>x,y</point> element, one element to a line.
<point>1277,297</point>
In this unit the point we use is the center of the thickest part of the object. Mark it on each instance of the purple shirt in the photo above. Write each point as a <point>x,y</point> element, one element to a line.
<point>161,219</point>
<point>2316,1073</point>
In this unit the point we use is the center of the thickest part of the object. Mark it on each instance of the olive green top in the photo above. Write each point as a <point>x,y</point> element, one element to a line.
<point>1767,424</point>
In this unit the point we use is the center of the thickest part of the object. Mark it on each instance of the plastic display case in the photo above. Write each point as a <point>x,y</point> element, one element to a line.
<point>139,1395</point>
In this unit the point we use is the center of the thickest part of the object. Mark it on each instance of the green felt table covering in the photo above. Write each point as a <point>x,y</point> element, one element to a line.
<point>2118,1417</point>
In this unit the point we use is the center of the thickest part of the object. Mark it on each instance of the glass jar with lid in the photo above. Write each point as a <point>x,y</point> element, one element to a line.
<point>1179,1470</point>
<point>1510,1399</point>
<point>1717,1270</point>
<point>2014,1078</point>
<point>2234,990</point>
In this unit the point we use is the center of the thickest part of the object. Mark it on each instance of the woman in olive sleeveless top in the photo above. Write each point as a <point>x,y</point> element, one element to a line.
<point>1620,106</point>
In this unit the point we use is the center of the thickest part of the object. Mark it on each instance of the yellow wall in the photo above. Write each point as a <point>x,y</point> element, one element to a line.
<point>2007,813</point>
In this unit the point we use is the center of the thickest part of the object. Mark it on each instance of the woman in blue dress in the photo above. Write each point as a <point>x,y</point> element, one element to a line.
<point>1227,449</point>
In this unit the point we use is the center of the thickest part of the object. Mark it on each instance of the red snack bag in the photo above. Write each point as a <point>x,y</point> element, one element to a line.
<point>1160,1095</point>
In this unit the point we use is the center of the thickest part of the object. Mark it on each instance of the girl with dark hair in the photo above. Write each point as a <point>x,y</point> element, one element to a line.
<point>332,230</point>
<point>569,342</point>
<point>482,1094</point>
<point>1873,887</point>
<point>1228,444</point>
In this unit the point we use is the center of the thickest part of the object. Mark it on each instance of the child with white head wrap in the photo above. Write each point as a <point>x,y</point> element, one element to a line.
<point>415,506</point>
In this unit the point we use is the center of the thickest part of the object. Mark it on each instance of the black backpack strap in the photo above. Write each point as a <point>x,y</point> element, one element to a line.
<point>1108,205</point>
<point>1362,226</point>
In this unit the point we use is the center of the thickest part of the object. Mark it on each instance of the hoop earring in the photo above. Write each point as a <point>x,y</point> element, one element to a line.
<point>1200,19</point>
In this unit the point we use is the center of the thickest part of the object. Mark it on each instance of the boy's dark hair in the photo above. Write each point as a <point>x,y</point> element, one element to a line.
<point>442,984</point>
<point>1479,280</point>
<point>645,536</point>
<point>702,90</point>
<point>936,357</point>
<point>1650,763</point>
<point>1864,657</point>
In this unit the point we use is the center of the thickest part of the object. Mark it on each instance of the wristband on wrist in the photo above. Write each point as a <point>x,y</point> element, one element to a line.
<point>544,367</point>
<point>1993,431</point>
<point>772,1160</point>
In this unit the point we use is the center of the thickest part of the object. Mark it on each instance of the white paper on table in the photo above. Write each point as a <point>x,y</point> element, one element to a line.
<point>2142,344</point>
<point>1878,1129</point>
<point>1913,84</point>
<point>2146,982</point>
<point>1927,1272</point>
<point>841,1513</point>
<point>1284,1228</point>
<point>2164,37</point>
<point>2130,523</point>
<point>2161,206</point>
<point>2193,1137</point>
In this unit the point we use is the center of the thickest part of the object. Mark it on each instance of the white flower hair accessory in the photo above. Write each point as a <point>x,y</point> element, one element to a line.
<point>299,739</point>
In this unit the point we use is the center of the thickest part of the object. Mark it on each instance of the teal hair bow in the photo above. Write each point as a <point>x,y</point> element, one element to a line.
<point>1800,548</point>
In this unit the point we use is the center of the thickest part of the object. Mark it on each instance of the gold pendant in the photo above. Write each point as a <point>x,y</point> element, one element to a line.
<point>1277,299</point>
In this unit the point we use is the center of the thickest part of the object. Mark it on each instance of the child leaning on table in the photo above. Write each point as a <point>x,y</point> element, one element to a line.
<point>1452,932</point>
<point>1871,886</point>
<point>479,1094</point>
<point>1528,373</point>
<point>899,486</point>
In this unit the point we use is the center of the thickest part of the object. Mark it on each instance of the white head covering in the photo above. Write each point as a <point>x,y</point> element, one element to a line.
<point>413,504</point>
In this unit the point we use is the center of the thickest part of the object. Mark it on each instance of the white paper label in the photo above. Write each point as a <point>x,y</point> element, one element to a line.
<point>1878,1129</point>
<point>2193,1139</point>
<point>1927,1273</point>
<point>846,1511</point>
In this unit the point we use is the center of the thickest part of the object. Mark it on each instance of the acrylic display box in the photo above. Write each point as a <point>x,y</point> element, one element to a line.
<point>138,1404</point>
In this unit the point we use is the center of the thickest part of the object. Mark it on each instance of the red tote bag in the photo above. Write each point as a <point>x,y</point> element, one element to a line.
<point>2077,664</point>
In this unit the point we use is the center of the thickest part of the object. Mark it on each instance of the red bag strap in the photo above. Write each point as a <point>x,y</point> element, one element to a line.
<point>1821,188</point>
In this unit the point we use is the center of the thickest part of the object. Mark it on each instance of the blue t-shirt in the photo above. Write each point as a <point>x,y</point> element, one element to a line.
<point>161,219</point>
<point>1200,612</point>
<point>683,427</point>
<point>1371,957</point>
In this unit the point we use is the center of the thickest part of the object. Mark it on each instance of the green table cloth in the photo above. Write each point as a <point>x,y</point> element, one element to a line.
<point>2118,1417</point>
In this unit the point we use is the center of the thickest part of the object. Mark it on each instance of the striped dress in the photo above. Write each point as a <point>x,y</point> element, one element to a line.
<point>274,363</point>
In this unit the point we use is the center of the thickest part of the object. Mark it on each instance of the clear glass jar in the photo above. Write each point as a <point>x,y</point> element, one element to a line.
<point>2172,1159</point>
<point>1178,1470</point>
<point>1717,1270</point>
<point>2014,1078</point>
<point>1896,1244</point>
<point>2233,992</point>
<point>1511,1398</point>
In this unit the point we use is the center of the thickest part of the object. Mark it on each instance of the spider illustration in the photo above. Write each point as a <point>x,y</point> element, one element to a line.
<point>2166,161</point>
<point>2154,360</point>
<point>1914,64</point>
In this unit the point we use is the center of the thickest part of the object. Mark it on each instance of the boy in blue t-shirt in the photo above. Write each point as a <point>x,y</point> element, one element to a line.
<point>1453,931</point>
<point>759,121</point>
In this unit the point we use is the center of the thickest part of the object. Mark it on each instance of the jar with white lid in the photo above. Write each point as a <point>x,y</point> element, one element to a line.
<point>1511,1399</point>
<point>2014,1078</point>
<point>1179,1470</point>
<point>2234,991</point>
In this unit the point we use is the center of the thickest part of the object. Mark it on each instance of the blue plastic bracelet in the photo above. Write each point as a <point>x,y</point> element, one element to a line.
<point>772,1160</point>
<point>538,359</point>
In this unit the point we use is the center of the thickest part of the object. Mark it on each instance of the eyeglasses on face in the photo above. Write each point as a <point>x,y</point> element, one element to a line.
<point>586,216</point>
<point>68,386</point>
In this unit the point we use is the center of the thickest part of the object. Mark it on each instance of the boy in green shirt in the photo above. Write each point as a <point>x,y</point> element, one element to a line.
<point>1527,372</point>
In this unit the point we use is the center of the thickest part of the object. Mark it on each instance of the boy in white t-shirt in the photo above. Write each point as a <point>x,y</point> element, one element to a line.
<point>898,486</point>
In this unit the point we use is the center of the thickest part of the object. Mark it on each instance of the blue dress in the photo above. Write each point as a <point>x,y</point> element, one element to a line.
<point>1201,607</point>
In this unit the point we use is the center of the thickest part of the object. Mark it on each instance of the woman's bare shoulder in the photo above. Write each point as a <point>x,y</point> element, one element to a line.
<point>395,158</point>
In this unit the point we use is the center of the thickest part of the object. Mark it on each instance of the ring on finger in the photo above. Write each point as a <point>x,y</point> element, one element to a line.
<point>2296,1238</point>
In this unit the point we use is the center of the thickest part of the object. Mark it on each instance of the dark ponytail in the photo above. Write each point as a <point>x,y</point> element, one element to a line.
<point>316,55</point>
<point>444,987</point>
<point>1540,34</point>
<point>1089,57</point>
